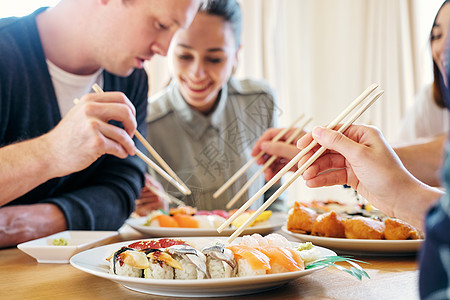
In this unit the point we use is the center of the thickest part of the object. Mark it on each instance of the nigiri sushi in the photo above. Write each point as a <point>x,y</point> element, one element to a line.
<point>251,261</point>
<point>192,261</point>
<point>220,261</point>
<point>282,259</point>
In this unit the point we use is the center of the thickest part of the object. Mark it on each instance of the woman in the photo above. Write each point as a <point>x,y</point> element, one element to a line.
<point>427,139</point>
<point>205,122</point>
<point>429,104</point>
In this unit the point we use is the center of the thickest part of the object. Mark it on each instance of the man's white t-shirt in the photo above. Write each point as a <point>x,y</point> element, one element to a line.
<point>69,86</point>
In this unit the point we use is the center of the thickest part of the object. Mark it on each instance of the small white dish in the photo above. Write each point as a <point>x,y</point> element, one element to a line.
<point>44,252</point>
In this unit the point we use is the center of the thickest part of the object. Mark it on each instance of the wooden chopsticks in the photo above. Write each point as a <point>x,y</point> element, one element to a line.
<point>247,165</point>
<point>172,178</point>
<point>166,196</point>
<point>358,101</point>
<point>265,166</point>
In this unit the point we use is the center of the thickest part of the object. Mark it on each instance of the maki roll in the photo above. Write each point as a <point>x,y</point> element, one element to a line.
<point>161,265</point>
<point>128,262</point>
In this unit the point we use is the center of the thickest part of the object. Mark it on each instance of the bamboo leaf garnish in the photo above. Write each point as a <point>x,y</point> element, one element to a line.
<point>355,270</point>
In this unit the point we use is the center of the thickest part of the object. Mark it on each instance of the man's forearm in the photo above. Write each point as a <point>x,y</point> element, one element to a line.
<point>25,165</point>
<point>26,222</point>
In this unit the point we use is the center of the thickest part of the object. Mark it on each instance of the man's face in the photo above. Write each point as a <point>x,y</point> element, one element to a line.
<point>131,31</point>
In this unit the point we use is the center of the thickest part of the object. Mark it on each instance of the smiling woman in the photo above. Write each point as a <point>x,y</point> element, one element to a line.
<point>20,8</point>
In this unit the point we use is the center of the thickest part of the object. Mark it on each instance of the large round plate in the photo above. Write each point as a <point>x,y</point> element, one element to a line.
<point>361,246</point>
<point>94,262</point>
<point>274,223</point>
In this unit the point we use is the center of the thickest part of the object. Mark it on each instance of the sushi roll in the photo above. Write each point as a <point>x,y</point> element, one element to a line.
<point>135,259</point>
<point>128,262</point>
<point>161,265</point>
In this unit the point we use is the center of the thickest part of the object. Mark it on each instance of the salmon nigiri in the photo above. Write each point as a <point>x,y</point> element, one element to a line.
<point>163,221</point>
<point>282,259</point>
<point>186,221</point>
<point>250,260</point>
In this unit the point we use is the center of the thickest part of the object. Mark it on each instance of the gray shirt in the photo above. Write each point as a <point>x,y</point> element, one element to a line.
<point>205,151</point>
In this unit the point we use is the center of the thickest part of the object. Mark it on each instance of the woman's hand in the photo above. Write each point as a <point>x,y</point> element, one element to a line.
<point>149,201</point>
<point>284,151</point>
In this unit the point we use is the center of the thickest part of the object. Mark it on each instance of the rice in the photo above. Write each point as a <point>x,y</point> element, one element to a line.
<point>219,269</point>
<point>124,269</point>
<point>189,270</point>
<point>276,268</point>
<point>159,271</point>
<point>244,269</point>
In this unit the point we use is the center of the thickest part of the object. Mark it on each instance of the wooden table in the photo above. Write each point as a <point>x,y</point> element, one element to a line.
<point>21,277</point>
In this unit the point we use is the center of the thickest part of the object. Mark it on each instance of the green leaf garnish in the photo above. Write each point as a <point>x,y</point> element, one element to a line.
<point>327,261</point>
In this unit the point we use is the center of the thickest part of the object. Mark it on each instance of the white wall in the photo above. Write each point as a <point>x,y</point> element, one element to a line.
<point>20,8</point>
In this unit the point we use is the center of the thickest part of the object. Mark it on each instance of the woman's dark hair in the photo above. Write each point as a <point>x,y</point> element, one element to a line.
<point>437,87</point>
<point>230,11</point>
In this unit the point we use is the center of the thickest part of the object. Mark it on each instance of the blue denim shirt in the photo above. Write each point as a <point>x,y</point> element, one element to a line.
<point>434,282</point>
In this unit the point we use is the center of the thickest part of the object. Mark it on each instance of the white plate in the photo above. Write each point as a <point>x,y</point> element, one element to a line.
<point>274,223</point>
<point>44,252</point>
<point>94,262</point>
<point>364,246</point>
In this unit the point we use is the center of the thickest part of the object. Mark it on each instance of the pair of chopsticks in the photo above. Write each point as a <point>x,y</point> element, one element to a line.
<point>166,196</point>
<point>266,164</point>
<point>364,101</point>
<point>245,167</point>
<point>172,178</point>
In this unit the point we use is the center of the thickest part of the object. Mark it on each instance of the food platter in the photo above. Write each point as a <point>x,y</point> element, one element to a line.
<point>274,223</point>
<point>361,246</point>
<point>94,262</point>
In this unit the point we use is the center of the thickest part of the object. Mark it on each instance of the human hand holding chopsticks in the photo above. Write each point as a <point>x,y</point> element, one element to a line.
<point>170,175</point>
<point>84,134</point>
<point>285,152</point>
<point>361,158</point>
<point>273,162</point>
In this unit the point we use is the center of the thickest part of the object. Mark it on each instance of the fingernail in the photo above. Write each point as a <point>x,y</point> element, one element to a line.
<point>317,132</point>
<point>264,146</point>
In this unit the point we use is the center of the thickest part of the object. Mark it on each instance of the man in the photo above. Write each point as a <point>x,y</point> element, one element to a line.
<point>66,166</point>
